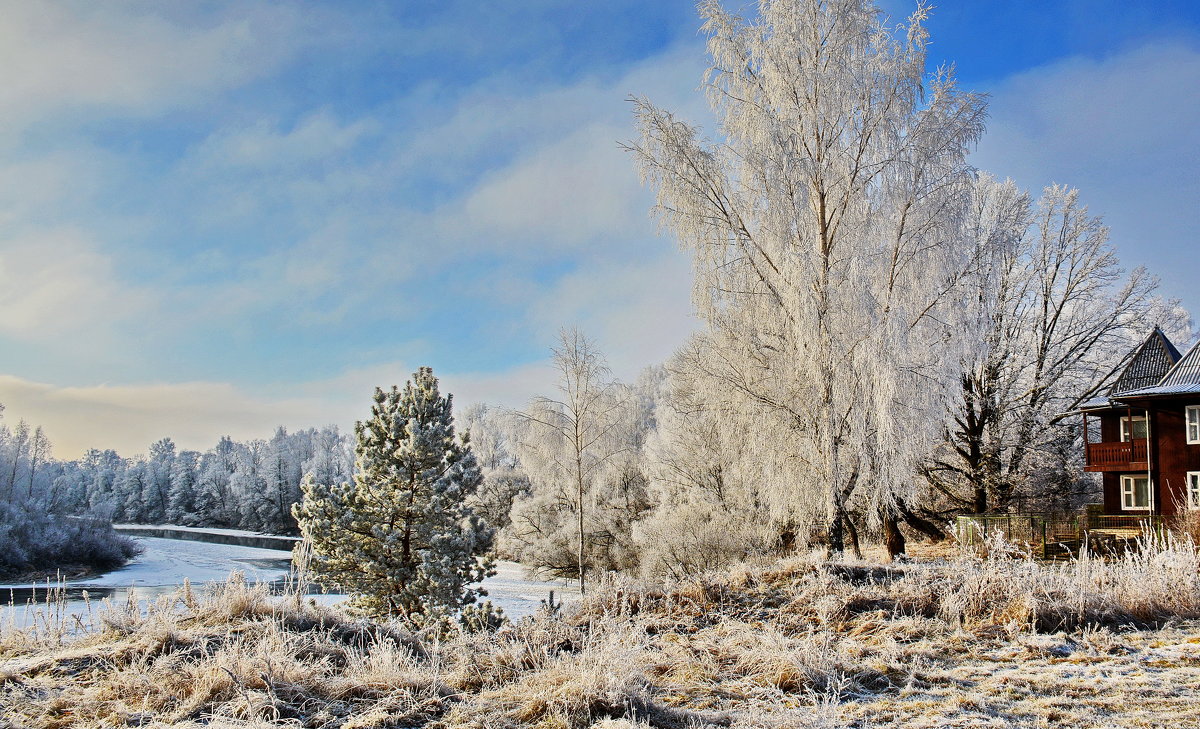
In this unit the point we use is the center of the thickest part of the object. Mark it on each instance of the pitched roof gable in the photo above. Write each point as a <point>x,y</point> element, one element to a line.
<point>1150,364</point>
<point>1186,371</point>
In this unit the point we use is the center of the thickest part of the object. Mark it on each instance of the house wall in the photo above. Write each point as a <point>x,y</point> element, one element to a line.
<point>1110,432</point>
<point>1112,493</point>
<point>1175,457</point>
<point>1170,455</point>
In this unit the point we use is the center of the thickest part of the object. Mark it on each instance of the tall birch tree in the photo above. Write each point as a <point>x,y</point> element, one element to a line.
<point>822,224</point>
<point>568,443</point>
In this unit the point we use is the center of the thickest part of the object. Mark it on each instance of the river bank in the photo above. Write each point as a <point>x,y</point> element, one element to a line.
<point>166,563</point>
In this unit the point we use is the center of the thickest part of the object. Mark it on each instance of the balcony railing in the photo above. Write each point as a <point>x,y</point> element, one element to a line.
<point>1124,456</point>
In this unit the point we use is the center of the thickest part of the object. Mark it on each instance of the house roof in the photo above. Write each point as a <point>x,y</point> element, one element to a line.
<point>1147,371</point>
<point>1148,367</point>
<point>1182,379</point>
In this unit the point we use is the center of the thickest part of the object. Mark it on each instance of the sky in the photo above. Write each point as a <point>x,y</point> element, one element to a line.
<point>220,217</point>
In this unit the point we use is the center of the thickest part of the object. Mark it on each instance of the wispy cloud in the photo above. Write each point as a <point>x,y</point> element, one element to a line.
<point>134,58</point>
<point>1123,130</point>
<point>57,284</point>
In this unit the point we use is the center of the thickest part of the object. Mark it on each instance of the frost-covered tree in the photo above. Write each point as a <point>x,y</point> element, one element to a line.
<point>39,454</point>
<point>131,491</point>
<point>16,455</point>
<point>332,456</point>
<point>400,537</point>
<point>282,476</point>
<point>214,499</point>
<point>493,433</point>
<point>1052,315</point>
<point>101,469</point>
<point>568,444</point>
<point>157,499</point>
<point>182,493</point>
<point>249,485</point>
<point>822,224</point>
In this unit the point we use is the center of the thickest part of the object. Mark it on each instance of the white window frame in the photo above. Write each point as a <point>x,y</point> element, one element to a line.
<point>1191,419</point>
<point>1127,422</point>
<point>1193,490</point>
<point>1129,490</point>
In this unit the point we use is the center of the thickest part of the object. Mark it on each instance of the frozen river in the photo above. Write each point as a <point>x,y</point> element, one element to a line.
<point>162,568</point>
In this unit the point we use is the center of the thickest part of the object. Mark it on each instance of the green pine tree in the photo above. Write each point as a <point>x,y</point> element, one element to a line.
<point>400,538</point>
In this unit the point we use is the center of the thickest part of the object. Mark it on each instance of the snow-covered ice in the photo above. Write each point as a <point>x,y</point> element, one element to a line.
<point>204,530</point>
<point>165,564</point>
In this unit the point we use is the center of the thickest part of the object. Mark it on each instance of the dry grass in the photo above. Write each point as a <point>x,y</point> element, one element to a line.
<point>968,642</point>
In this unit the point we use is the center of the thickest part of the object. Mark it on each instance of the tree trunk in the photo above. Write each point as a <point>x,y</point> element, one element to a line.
<point>922,525</point>
<point>853,532</point>
<point>836,537</point>
<point>582,566</point>
<point>893,538</point>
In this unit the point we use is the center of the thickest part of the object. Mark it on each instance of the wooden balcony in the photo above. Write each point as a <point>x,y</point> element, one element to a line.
<point>1124,456</point>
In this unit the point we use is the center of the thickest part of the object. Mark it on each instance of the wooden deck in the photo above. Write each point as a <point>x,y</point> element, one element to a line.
<point>1121,456</point>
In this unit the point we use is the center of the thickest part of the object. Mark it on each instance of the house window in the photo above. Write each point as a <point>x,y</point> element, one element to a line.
<point>1193,424</point>
<point>1193,489</point>
<point>1135,493</point>
<point>1133,427</point>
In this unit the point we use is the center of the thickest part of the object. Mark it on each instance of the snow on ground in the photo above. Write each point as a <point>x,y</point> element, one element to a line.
<point>203,530</point>
<point>518,596</point>
<point>167,562</point>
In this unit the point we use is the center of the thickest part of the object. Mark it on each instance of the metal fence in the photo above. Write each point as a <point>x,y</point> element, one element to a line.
<point>1052,536</point>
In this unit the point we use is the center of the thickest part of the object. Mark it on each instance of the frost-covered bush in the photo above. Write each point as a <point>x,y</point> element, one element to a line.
<point>34,539</point>
<point>543,533</point>
<point>693,537</point>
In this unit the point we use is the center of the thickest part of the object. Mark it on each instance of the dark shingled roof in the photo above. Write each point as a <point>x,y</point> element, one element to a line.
<point>1183,379</point>
<point>1149,365</point>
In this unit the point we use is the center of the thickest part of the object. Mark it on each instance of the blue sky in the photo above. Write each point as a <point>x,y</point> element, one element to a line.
<point>216,217</point>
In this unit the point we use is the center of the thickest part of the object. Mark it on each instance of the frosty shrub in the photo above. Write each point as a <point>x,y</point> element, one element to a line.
<point>694,537</point>
<point>38,540</point>
<point>400,537</point>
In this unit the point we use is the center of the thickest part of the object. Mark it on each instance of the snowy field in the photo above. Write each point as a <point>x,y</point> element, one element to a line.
<point>166,563</point>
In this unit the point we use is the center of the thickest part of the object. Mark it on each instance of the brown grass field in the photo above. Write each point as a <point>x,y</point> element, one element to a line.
<point>961,642</point>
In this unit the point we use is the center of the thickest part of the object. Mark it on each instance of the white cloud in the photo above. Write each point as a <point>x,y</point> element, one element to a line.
<point>263,146</point>
<point>577,190</point>
<point>128,418</point>
<point>637,309</point>
<point>1123,130</point>
<point>56,283</point>
<point>63,56</point>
